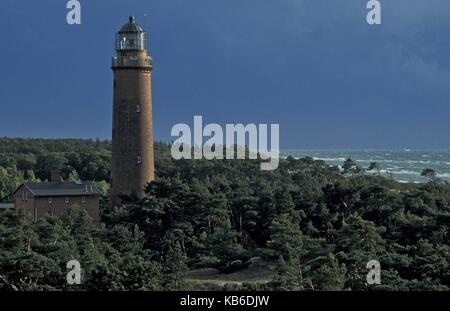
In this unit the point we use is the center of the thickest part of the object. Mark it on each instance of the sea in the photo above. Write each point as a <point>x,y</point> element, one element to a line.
<point>404,165</point>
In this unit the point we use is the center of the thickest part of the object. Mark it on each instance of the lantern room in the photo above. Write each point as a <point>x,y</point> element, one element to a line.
<point>131,37</point>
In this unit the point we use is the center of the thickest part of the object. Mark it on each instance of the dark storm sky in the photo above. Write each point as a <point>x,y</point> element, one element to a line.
<point>313,66</point>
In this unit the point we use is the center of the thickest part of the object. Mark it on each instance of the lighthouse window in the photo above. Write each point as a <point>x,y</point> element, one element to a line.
<point>138,108</point>
<point>139,160</point>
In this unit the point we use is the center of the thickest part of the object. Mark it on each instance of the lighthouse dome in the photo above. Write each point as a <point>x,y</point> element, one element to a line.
<point>131,26</point>
<point>131,37</point>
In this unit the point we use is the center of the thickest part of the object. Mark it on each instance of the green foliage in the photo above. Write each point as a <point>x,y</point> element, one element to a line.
<point>429,173</point>
<point>87,159</point>
<point>33,256</point>
<point>319,225</point>
<point>10,180</point>
<point>350,167</point>
<point>286,238</point>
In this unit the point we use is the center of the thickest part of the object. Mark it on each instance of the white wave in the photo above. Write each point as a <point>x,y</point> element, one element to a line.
<point>421,162</point>
<point>406,172</point>
<point>330,159</point>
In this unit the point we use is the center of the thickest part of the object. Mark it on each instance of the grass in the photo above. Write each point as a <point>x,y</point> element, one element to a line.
<point>212,279</point>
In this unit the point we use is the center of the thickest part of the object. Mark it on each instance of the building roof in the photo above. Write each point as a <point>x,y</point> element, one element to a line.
<point>131,26</point>
<point>7,206</point>
<point>78,188</point>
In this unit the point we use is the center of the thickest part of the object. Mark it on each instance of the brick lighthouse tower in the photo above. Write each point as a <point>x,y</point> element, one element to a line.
<point>132,135</point>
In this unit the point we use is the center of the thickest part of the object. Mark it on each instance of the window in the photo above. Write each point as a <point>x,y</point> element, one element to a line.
<point>131,41</point>
<point>26,195</point>
<point>139,160</point>
<point>138,108</point>
<point>83,199</point>
<point>50,200</point>
<point>50,213</point>
<point>67,199</point>
<point>23,195</point>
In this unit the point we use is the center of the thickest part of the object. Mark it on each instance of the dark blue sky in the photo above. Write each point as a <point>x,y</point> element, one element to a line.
<point>313,66</point>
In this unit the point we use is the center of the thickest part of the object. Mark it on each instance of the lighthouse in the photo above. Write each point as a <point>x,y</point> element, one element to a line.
<point>132,166</point>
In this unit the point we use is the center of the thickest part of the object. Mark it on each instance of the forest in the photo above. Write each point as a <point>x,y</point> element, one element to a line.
<point>317,225</point>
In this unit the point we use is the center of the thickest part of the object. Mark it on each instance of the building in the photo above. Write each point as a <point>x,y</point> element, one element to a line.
<point>53,198</point>
<point>132,134</point>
